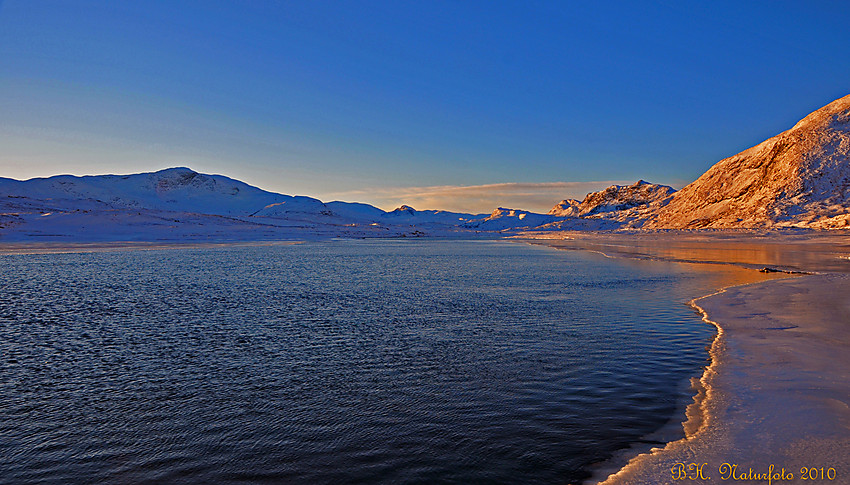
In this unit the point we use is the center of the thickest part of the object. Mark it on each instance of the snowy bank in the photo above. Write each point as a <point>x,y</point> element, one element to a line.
<point>777,393</point>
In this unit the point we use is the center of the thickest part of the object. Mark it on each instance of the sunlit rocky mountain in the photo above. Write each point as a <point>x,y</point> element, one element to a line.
<point>799,178</point>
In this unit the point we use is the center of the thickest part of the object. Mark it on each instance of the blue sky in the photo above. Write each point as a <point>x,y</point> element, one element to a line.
<point>456,105</point>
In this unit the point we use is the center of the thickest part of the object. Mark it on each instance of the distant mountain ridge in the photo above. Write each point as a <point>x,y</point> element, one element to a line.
<point>176,188</point>
<point>797,179</point>
<point>179,204</point>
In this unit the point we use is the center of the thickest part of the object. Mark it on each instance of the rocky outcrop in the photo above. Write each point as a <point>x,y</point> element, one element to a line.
<point>566,208</point>
<point>626,204</point>
<point>622,197</point>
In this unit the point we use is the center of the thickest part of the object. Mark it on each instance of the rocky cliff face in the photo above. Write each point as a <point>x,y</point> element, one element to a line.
<point>799,178</point>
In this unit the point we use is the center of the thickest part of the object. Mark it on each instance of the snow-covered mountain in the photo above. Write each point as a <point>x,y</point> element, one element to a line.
<point>566,208</point>
<point>503,219</point>
<point>181,204</point>
<point>178,189</point>
<point>620,203</point>
<point>409,215</point>
<point>618,198</point>
<point>799,178</point>
<point>616,207</point>
<point>171,204</point>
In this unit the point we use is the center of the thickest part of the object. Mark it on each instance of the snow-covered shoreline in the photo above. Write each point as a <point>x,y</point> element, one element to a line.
<point>776,394</point>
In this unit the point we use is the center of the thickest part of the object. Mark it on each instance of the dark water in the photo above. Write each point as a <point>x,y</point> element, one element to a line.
<point>337,362</point>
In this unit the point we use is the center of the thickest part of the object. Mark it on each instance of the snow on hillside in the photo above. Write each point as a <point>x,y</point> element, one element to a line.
<point>172,189</point>
<point>618,198</point>
<point>617,202</point>
<point>409,215</point>
<point>616,207</point>
<point>171,204</point>
<point>799,178</point>
<point>504,219</point>
<point>355,211</point>
<point>566,208</point>
<point>297,207</point>
<point>180,204</point>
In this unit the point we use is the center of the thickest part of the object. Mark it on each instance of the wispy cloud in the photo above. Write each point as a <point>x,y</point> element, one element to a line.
<point>537,197</point>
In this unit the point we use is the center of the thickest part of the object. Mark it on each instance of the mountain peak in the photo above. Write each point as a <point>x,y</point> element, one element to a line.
<point>837,111</point>
<point>174,170</point>
<point>404,209</point>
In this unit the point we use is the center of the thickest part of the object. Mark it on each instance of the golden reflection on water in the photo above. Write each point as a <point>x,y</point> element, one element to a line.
<point>829,252</point>
<point>714,276</point>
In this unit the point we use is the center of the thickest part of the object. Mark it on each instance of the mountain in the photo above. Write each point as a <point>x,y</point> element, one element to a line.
<point>798,178</point>
<point>171,189</point>
<point>503,219</point>
<point>409,215</point>
<point>566,208</point>
<point>179,204</point>
<point>617,202</point>
<point>613,208</point>
<point>174,204</point>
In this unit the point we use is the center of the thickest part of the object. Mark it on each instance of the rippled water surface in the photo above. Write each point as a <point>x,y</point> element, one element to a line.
<point>338,362</point>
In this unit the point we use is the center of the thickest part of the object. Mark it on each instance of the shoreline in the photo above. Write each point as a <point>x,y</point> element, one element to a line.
<point>697,417</point>
<point>773,402</point>
<point>775,394</point>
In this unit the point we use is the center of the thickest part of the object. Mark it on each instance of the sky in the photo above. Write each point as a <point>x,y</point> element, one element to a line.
<point>456,105</point>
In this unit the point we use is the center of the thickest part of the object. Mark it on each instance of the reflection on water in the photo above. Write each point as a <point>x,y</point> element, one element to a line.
<point>351,362</point>
<point>809,252</point>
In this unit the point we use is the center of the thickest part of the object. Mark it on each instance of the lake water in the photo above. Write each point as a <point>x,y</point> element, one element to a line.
<point>339,362</point>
